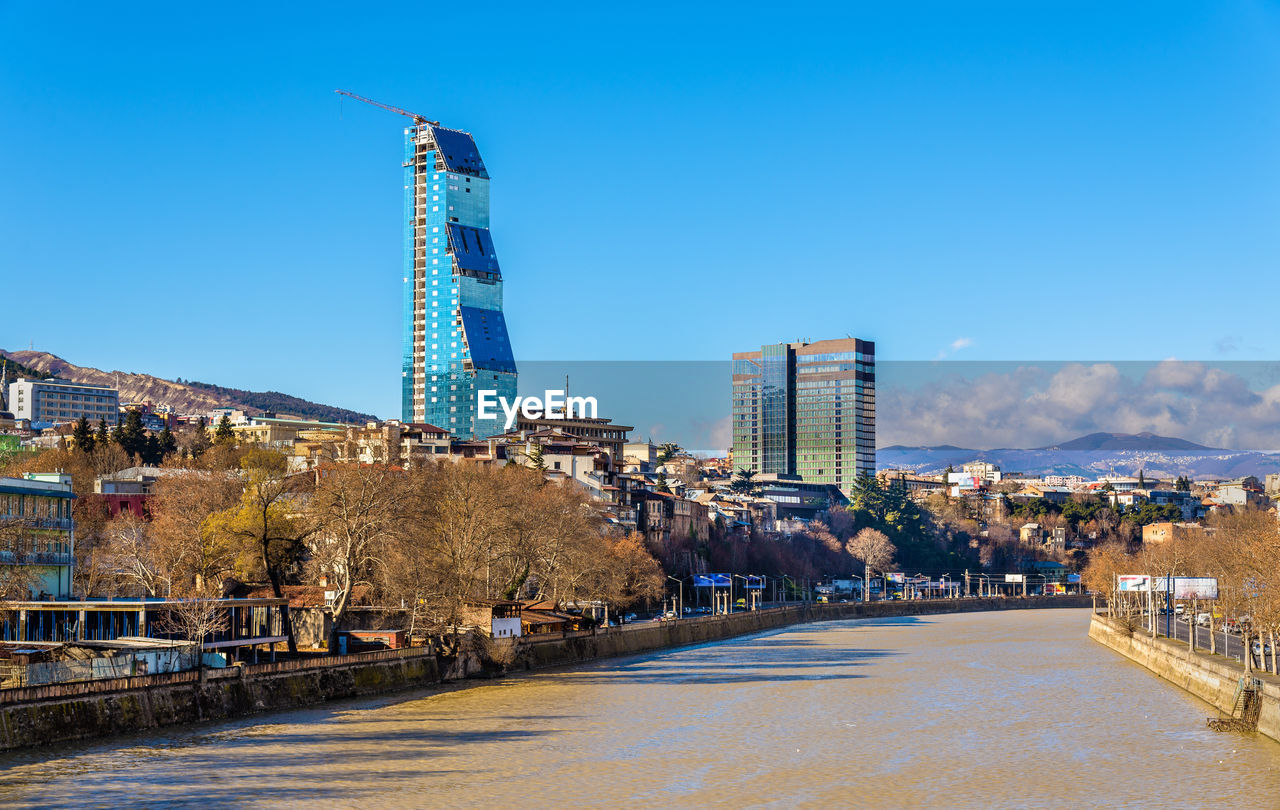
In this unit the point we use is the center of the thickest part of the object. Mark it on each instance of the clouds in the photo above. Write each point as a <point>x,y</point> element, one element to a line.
<point>955,346</point>
<point>1009,405</point>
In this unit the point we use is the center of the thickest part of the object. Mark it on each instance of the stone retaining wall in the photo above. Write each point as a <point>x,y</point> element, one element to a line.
<point>74,711</point>
<point>1212,678</point>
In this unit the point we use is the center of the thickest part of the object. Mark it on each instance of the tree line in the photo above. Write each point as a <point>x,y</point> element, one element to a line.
<point>1240,548</point>
<point>424,540</point>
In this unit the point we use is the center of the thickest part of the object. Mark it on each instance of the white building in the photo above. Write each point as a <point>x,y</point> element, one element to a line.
<point>62,401</point>
<point>984,471</point>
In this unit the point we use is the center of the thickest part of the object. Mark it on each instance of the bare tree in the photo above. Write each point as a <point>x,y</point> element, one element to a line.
<point>266,525</point>
<point>875,550</point>
<point>197,616</point>
<point>353,513</point>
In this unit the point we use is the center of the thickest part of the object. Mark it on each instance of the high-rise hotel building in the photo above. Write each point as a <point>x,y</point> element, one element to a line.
<point>455,337</point>
<point>807,409</point>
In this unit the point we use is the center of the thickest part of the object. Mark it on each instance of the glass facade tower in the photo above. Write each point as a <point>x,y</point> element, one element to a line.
<point>807,409</point>
<point>455,336</point>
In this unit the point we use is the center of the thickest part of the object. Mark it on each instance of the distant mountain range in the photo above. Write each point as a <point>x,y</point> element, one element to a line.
<point>185,397</point>
<point>1091,456</point>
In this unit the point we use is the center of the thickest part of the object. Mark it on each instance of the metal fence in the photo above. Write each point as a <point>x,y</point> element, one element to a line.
<point>92,669</point>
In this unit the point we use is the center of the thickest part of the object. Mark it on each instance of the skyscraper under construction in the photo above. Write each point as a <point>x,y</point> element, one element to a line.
<point>455,336</point>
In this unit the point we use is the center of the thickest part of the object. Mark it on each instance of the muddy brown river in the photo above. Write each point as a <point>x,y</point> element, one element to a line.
<point>1012,709</point>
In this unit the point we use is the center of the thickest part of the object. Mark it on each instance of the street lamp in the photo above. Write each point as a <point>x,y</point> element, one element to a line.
<point>946,578</point>
<point>680,607</point>
<point>862,585</point>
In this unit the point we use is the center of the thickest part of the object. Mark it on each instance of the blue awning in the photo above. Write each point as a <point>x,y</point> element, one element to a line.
<point>44,493</point>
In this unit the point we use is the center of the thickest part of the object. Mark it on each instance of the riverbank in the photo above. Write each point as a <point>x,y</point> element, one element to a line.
<point>95,709</point>
<point>1212,678</point>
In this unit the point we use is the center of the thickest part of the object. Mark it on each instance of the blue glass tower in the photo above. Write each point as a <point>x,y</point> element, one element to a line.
<point>455,336</point>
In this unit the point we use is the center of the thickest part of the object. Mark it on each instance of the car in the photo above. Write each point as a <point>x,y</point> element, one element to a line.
<point>1262,648</point>
<point>1202,619</point>
<point>1180,609</point>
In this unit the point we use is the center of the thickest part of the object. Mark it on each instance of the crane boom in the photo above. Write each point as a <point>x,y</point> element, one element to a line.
<point>417,119</point>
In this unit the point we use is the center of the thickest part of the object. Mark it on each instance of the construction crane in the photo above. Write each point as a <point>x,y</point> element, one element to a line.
<point>417,119</point>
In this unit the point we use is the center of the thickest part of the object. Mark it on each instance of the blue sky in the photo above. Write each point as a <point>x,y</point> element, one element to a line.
<point>183,194</point>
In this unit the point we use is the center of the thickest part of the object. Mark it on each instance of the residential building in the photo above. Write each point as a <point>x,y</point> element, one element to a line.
<point>37,534</point>
<point>496,618</point>
<point>1272,485</point>
<point>807,410</point>
<point>455,335</point>
<point>1167,530</point>
<point>592,430</point>
<point>642,455</point>
<point>1054,494</point>
<point>563,455</point>
<point>1069,481</point>
<point>53,401</point>
<point>984,471</point>
<point>1241,492</point>
<point>1031,533</point>
<point>917,486</point>
<point>128,490</point>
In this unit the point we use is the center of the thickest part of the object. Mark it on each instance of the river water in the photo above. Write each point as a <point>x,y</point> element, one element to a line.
<point>1010,709</point>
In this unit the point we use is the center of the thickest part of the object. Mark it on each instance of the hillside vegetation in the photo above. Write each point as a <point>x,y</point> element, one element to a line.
<point>185,397</point>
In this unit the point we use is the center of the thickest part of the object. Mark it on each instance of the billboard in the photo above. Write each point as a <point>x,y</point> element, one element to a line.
<point>1134,582</point>
<point>898,578</point>
<point>1187,587</point>
<point>711,581</point>
<point>1013,577</point>
<point>1195,588</point>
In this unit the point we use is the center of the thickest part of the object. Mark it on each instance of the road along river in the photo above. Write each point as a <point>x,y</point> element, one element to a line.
<point>1010,709</point>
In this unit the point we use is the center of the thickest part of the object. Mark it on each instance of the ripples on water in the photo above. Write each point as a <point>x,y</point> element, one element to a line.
<point>1011,709</point>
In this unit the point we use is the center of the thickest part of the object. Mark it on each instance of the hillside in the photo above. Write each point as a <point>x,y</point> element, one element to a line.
<point>1133,441</point>
<point>1091,456</point>
<point>14,370</point>
<point>185,397</point>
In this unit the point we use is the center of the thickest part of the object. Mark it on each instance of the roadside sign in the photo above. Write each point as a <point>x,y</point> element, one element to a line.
<point>711,581</point>
<point>1195,588</point>
<point>1188,587</point>
<point>1013,578</point>
<point>1134,582</point>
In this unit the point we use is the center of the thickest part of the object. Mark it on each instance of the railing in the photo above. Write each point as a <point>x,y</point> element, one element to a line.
<point>64,689</point>
<point>36,558</point>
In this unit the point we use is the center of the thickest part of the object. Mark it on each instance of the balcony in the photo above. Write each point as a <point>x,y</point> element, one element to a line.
<point>36,558</point>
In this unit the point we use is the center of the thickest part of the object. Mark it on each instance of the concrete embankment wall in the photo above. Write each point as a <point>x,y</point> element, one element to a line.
<point>1212,678</point>
<point>74,711</point>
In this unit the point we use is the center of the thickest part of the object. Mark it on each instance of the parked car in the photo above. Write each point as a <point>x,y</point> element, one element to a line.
<point>1262,648</point>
